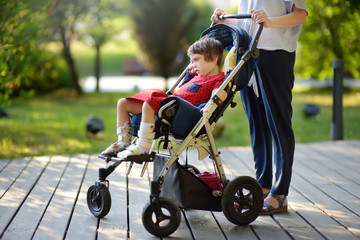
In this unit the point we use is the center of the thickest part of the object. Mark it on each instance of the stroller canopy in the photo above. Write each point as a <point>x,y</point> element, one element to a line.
<point>230,36</point>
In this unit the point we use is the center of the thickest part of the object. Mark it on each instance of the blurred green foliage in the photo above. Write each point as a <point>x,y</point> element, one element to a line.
<point>330,32</point>
<point>28,66</point>
<point>25,64</point>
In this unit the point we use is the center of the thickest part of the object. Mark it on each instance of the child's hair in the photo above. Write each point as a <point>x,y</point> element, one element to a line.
<point>209,47</point>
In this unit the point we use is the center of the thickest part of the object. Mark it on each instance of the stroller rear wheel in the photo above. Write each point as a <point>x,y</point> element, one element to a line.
<point>242,200</point>
<point>163,221</point>
<point>99,200</point>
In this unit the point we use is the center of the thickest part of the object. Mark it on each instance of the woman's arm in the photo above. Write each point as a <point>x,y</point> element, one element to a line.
<point>296,17</point>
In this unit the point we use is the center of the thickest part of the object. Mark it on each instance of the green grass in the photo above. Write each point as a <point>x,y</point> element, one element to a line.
<point>55,124</point>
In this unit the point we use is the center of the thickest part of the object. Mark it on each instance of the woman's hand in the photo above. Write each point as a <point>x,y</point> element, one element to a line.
<point>218,12</point>
<point>260,16</point>
<point>215,17</point>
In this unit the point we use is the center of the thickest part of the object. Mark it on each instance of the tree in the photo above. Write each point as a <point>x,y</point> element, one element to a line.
<point>330,32</point>
<point>19,47</point>
<point>62,18</point>
<point>161,30</point>
<point>100,27</point>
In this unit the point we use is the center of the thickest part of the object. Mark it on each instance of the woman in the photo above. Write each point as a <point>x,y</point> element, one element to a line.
<point>270,114</point>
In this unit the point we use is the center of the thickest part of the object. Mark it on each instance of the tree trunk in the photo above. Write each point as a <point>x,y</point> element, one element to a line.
<point>73,72</point>
<point>97,67</point>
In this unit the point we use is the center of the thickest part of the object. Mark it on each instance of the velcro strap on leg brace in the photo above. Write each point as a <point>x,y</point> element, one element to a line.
<point>146,135</point>
<point>125,129</point>
<point>122,138</point>
<point>143,143</point>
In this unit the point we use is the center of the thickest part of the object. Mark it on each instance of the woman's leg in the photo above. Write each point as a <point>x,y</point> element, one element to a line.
<point>277,71</point>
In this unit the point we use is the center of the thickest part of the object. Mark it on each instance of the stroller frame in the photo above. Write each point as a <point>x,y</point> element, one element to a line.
<point>98,195</point>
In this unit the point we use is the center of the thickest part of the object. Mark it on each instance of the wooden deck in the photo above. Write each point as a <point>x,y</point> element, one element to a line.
<point>45,198</point>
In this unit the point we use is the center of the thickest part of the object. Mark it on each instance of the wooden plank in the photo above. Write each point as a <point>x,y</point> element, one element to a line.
<point>4,163</point>
<point>331,182</point>
<point>83,224</point>
<point>328,197</point>
<point>30,213</point>
<point>15,196</point>
<point>183,231</point>
<point>10,172</point>
<point>55,221</point>
<point>115,223</point>
<point>233,231</point>
<point>296,226</point>
<point>350,149</point>
<point>203,225</point>
<point>139,196</point>
<point>324,224</point>
<point>337,162</point>
<point>241,159</point>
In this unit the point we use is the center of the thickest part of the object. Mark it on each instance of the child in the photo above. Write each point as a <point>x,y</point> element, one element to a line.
<point>205,56</point>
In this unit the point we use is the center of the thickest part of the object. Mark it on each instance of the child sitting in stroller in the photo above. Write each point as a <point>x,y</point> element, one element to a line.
<point>205,55</point>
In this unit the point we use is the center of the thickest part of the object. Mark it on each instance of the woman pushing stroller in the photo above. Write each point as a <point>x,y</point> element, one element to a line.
<point>205,56</point>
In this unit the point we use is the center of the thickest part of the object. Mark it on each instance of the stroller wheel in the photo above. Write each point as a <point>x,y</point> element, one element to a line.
<point>163,223</point>
<point>242,200</point>
<point>99,200</point>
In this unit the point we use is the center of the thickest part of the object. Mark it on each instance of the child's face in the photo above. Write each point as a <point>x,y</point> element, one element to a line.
<point>202,67</point>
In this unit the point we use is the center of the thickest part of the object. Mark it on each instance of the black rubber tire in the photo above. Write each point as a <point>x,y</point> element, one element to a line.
<point>242,200</point>
<point>163,227</point>
<point>99,200</point>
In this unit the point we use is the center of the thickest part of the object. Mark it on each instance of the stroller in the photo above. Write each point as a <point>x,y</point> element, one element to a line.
<point>175,185</point>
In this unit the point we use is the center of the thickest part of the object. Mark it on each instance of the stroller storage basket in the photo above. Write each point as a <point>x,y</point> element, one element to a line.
<point>184,188</point>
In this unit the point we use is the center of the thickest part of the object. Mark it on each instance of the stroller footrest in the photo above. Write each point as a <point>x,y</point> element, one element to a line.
<point>132,158</point>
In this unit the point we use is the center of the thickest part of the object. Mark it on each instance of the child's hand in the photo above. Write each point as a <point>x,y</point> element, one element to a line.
<point>191,71</point>
<point>228,69</point>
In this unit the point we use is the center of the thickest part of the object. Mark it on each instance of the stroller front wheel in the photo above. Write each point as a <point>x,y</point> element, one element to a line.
<point>99,200</point>
<point>242,200</point>
<point>163,221</point>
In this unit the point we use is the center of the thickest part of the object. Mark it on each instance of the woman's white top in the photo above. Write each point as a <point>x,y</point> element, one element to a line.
<point>272,38</point>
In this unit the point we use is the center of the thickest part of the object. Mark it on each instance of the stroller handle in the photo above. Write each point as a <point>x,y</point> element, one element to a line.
<point>237,16</point>
<point>252,51</point>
